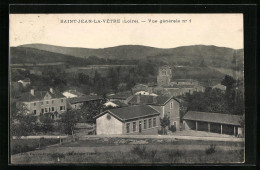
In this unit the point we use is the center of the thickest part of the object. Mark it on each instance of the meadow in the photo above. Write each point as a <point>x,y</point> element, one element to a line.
<point>135,151</point>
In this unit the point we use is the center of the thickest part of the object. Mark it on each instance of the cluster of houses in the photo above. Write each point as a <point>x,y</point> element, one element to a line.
<point>138,112</point>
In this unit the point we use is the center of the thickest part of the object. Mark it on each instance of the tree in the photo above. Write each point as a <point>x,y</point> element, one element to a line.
<point>91,109</point>
<point>69,120</point>
<point>18,110</point>
<point>47,122</point>
<point>23,123</point>
<point>83,78</point>
<point>24,126</point>
<point>165,121</point>
<point>229,82</point>
<point>212,100</point>
<point>231,97</point>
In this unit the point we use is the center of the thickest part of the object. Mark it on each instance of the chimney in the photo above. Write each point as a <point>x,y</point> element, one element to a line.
<point>32,92</point>
<point>154,99</point>
<point>138,98</point>
<point>51,90</point>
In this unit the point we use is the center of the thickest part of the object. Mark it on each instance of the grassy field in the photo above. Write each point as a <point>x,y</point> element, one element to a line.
<point>25,145</point>
<point>140,151</point>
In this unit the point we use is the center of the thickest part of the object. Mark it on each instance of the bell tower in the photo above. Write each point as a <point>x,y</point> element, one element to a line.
<point>164,76</point>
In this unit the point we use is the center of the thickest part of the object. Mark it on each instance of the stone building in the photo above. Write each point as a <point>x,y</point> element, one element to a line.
<point>176,87</point>
<point>164,105</point>
<point>41,102</point>
<point>141,119</point>
<point>164,76</point>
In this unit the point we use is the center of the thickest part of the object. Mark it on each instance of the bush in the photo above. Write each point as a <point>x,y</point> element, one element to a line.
<point>57,155</point>
<point>140,151</point>
<point>152,154</point>
<point>211,149</point>
<point>160,131</point>
<point>172,128</point>
<point>174,153</point>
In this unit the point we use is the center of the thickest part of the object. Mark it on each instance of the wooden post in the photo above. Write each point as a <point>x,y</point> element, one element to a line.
<point>221,128</point>
<point>209,127</point>
<point>196,125</point>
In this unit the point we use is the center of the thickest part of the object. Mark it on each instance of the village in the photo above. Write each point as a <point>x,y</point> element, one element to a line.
<point>130,92</point>
<point>148,111</point>
<point>138,111</point>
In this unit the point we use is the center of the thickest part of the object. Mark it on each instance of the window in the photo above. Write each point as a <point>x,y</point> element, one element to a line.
<point>145,124</point>
<point>154,122</point>
<point>52,101</point>
<point>34,112</point>
<point>175,123</point>
<point>34,104</point>
<point>62,107</point>
<point>61,100</point>
<point>52,109</point>
<point>134,126</point>
<point>171,105</point>
<point>127,127</point>
<point>41,103</point>
<point>46,110</point>
<point>42,110</point>
<point>47,102</point>
<point>150,123</point>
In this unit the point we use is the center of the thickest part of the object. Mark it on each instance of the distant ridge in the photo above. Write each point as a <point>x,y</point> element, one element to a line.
<point>213,56</point>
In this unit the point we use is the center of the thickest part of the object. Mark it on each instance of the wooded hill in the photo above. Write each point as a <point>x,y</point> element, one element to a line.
<point>199,60</point>
<point>187,55</point>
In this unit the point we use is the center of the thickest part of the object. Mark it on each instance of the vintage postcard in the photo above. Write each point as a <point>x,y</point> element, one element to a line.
<point>127,89</point>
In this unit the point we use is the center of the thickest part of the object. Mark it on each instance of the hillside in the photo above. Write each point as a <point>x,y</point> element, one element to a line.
<point>21,55</point>
<point>186,55</point>
<point>27,55</point>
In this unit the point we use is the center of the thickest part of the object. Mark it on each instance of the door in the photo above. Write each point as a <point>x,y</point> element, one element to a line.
<point>140,126</point>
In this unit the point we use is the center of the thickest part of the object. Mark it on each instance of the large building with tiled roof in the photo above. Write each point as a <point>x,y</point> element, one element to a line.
<point>77,102</point>
<point>140,119</point>
<point>165,105</point>
<point>41,102</point>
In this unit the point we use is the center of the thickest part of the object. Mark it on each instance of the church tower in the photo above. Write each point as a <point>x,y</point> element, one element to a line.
<point>164,76</point>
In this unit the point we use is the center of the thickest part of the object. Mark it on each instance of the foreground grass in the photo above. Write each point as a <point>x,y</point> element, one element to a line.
<point>25,145</point>
<point>138,154</point>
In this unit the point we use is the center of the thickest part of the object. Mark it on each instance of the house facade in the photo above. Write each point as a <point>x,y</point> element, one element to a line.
<point>41,102</point>
<point>141,119</point>
<point>164,105</point>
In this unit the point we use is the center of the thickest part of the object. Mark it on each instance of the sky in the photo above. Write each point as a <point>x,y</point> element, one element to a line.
<point>224,30</point>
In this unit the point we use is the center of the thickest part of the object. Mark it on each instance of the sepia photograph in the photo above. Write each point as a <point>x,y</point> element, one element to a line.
<point>126,89</point>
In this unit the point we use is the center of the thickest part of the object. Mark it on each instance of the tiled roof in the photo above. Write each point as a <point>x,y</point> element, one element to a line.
<point>121,104</point>
<point>184,80</point>
<point>84,99</point>
<point>182,86</point>
<point>152,100</point>
<point>165,66</point>
<point>39,95</point>
<point>122,95</point>
<point>27,80</point>
<point>213,117</point>
<point>131,112</point>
